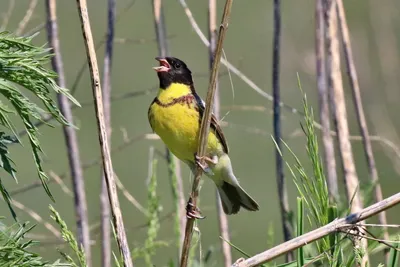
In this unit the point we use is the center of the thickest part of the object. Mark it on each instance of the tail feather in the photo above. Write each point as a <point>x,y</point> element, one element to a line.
<point>233,197</point>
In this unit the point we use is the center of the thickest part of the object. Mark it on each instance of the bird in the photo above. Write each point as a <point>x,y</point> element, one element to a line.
<point>175,115</point>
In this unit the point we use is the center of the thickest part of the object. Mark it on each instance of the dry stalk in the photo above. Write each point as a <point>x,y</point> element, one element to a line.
<point>323,94</point>
<point>61,183</point>
<point>28,15</point>
<point>7,15</point>
<point>71,139</point>
<point>280,177</point>
<point>104,203</point>
<point>129,196</point>
<point>222,217</point>
<point>127,142</point>
<point>205,127</point>
<point>105,151</point>
<point>335,226</point>
<point>340,119</point>
<point>351,70</point>
<point>35,216</point>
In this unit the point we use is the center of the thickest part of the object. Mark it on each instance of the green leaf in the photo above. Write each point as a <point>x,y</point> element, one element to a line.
<point>15,249</point>
<point>69,237</point>
<point>394,254</point>
<point>22,69</point>
<point>300,229</point>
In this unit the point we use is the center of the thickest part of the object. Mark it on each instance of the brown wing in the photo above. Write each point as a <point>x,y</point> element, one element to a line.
<point>218,131</point>
<point>214,125</point>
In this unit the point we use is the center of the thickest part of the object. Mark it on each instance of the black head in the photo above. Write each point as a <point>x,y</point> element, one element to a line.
<point>172,70</point>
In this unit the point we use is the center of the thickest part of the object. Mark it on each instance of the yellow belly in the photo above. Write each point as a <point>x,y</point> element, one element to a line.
<point>178,127</point>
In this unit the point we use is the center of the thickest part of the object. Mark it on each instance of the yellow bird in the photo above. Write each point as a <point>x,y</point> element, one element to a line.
<point>175,115</point>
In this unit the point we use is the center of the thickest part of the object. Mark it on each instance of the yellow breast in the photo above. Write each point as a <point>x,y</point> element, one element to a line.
<point>178,124</point>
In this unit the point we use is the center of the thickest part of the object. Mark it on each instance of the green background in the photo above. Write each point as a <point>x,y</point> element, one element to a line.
<point>374,27</point>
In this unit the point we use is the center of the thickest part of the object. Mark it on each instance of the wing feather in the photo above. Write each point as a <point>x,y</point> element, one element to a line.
<point>214,125</point>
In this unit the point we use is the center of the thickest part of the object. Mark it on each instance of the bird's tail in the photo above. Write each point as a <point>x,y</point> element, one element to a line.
<point>233,197</point>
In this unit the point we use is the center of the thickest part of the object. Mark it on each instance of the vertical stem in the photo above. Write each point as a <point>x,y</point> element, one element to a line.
<point>362,122</point>
<point>222,217</point>
<point>283,198</point>
<point>204,128</point>
<point>329,149</point>
<point>71,139</point>
<point>174,170</point>
<point>101,127</point>
<point>104,203</point>
<point>340,118</point>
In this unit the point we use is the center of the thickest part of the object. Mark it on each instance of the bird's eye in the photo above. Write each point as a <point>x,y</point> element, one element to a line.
<point>177,65</point>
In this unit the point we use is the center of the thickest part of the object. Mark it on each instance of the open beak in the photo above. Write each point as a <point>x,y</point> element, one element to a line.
<point>164,65</point>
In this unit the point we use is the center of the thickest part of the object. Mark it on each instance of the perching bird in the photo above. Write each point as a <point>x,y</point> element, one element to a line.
<point>175,115</point>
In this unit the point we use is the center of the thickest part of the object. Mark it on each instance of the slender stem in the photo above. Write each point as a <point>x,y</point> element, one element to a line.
<point>335,226</point>
<point>222,217</point>
<point>104,203</point>
<point>105,151</point>
<point>362,122</point>
<point>340,118</point>
<point>71,139</point>
<point>280,178</point>
<point>205,127</point>
<point>7,15</point>
<point>36,217</point>
<point>174,170</point>
<point>28,15</point>
<point>323,94</point>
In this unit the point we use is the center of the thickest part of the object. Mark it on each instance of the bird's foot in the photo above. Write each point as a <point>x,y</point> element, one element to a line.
<point>192,212</point>
<point>207,161</point>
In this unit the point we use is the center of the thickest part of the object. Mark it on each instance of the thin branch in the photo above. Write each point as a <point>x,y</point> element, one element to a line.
<point>37,218</point>
<point>105,152</point>
<point>222,217</point>
<point>61,183</point>
<point>34,30</point>
<point>280,178</point>
<point>340,117</point>
<point>351,70</point>
<point>129,196</point>
<point>174,169</point>
<point>140,40</point>
<point>7,15</point>
<point>28,15</point>
<point>323,94</point>
<point>104,203</point>
<point>205,127</point>
<point>335,226</point>
<point>82,69</point>
<point>127,142</point>
<point>71,139</point>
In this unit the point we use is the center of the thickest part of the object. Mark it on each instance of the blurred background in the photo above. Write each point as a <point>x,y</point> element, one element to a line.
<point>374,28</point>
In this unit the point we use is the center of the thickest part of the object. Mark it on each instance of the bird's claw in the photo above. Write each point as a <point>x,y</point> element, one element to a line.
<point>205,167</point>
<point>192,212</point>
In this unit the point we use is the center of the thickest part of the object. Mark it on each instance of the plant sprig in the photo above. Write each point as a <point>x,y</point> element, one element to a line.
<point>22,68</point>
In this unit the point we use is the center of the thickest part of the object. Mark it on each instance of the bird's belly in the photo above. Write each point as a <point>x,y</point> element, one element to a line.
<point>178,127</point>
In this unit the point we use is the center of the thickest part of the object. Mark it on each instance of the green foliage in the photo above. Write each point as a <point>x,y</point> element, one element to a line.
<point>154,208</point>
<point>22,68</point>
<point>68,237</point>
<point>14,248</point>
<point>300,230</point>
<point>175,192</point>
<point>313,188</point>
<point>394,254</point>
<point>7,164</point>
